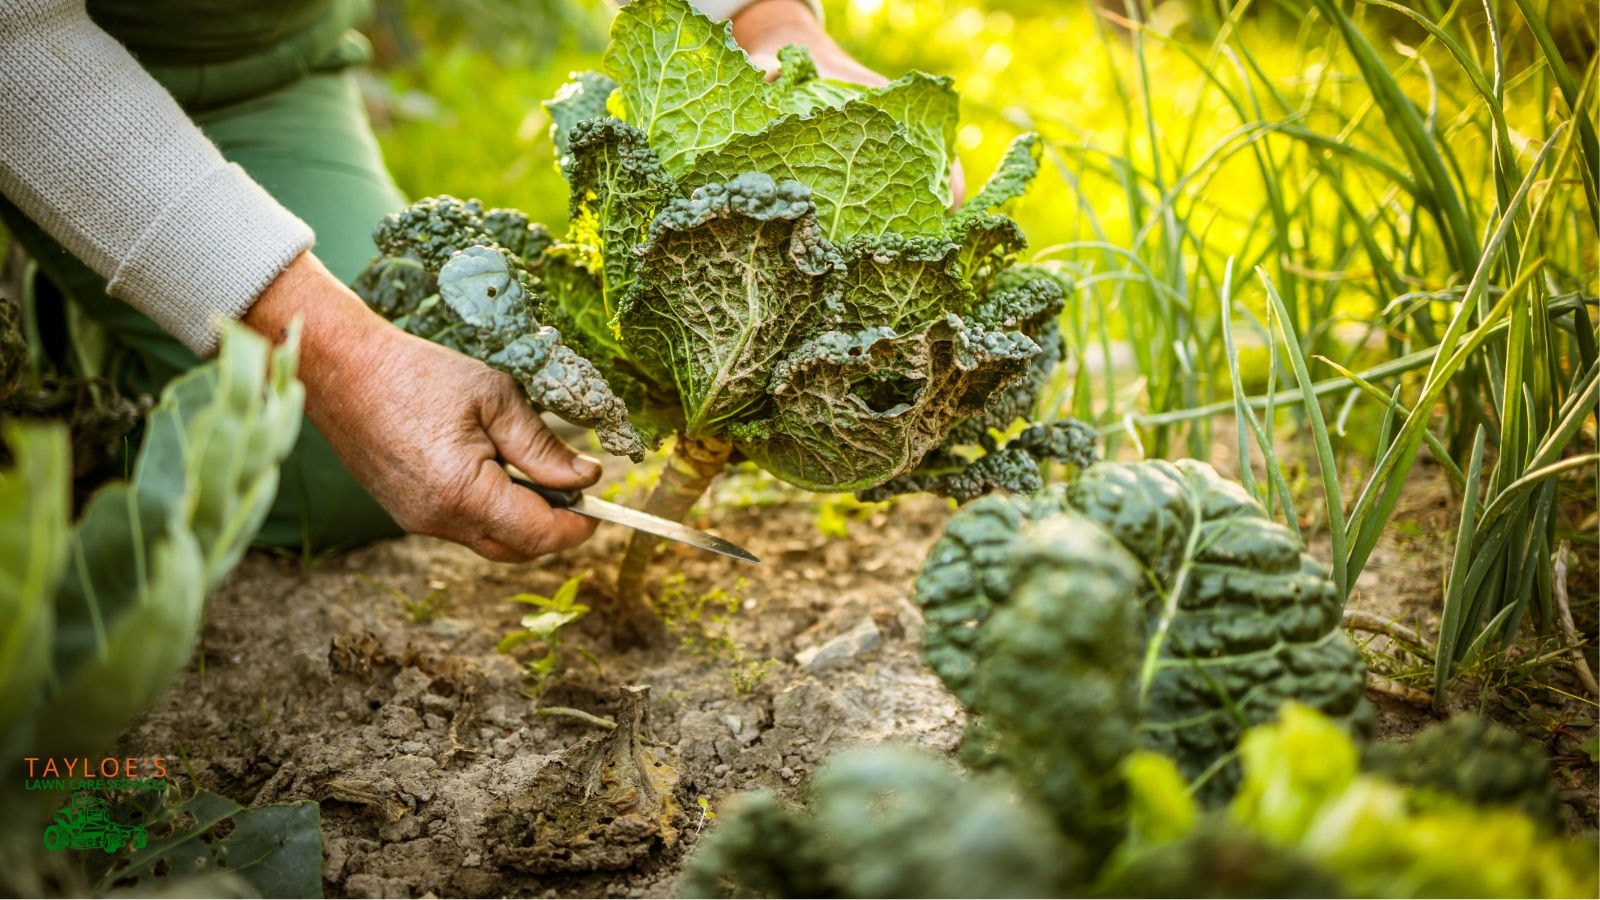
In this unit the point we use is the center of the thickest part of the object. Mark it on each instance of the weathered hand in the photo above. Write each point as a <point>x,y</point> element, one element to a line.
<point>424,429</point>
<point>767,26</point>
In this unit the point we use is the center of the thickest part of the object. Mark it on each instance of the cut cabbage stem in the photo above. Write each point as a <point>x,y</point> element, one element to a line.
<point>691,466</point>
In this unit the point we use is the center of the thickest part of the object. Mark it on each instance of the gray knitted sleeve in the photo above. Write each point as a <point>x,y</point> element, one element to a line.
<point>104,160</point>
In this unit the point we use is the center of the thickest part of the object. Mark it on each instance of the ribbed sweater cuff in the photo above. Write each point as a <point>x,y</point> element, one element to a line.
<point>207,256</point>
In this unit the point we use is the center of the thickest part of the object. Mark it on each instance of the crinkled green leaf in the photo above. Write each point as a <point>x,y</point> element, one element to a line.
<point>866,174</point>
<point>511,229</point>
<point>684,81</point>
<point>1016,468</point>
<point>855,408</point>
<point>579,100</point>
<point>572,300</point>
<point>568,385</point>
<point>930,110</point>
<point>799,89</point>
<point>1237,620</point>
<point>899,282</point>
<point>396,287</point>
<point>618,188</point>
<point>431,229</point>
<point>988,245</point>
<point>1029,301</point>
<point>1056,675</point>
<point>881,824</point>
<point>481,289</point>
<point>1017,169</point>
<point>730,278</point>
<point>478,285</point>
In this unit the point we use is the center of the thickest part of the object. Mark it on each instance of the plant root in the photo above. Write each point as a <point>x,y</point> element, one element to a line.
<point>580,715</point>
<point>1398,691</point>
<point>1569,629</point>
<point>1411,639</point>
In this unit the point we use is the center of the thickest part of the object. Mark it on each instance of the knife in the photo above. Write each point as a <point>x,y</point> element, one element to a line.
<point>606,511</point>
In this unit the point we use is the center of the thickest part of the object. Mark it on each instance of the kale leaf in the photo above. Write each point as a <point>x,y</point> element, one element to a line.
<point>1234,618</point>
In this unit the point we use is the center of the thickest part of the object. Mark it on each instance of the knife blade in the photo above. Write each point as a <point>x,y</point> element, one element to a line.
<point>606,511</point>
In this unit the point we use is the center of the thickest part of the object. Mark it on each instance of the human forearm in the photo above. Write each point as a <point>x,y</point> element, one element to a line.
<point>764,27</point>
<point>423,428</point>
<point>103,159</point>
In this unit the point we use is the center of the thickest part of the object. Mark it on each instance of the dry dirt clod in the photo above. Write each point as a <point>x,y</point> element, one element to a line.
<point>383,803</point>
<point>607,803</point>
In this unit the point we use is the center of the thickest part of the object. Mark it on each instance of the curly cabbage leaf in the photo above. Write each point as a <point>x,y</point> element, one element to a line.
<point>478,301</point>
<point>1470,759</point>
<point>1065,649</point>
<point>728,279</point>
<point>893,394</point>
<point>767,264</point>
<point>683,81</point>
<point>884,822</point>
<point>864,171</point>
<point>1235,619</point>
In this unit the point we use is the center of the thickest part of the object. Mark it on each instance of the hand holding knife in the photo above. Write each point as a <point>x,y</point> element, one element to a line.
<point>606,511</point>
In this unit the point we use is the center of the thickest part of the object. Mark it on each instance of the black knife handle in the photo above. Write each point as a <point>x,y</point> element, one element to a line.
<point>557,498</point>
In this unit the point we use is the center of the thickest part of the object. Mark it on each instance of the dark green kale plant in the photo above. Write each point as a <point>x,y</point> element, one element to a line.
<point>767,271</point>
<point>1156,669</point>
<point>1471,759</point>
<point>1233,618</point>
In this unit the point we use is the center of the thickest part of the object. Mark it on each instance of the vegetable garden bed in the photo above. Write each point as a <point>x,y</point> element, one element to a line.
<point>419,739</point>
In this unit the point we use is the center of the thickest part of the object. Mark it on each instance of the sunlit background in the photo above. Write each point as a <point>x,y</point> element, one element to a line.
<point>1198,135</point>
<point>1391,207</point>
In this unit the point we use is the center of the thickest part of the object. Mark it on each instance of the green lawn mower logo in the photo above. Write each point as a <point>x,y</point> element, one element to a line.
<point>84,823</point>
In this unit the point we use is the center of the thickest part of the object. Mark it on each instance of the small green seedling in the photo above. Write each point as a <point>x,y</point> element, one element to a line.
<point>702,620</point>
<point>421,611</point>
<point>554,613</point>
<point>707,814</point>
<point>747,675</point>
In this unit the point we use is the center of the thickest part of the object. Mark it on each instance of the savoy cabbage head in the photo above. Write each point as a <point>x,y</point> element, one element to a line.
<point>770,269</point>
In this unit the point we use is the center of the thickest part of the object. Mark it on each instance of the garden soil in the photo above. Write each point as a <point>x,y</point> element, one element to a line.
<point>426,748</point>
<point>434,769</point>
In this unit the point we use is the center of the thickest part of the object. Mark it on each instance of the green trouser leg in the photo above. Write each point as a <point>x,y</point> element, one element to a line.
<point>310,146</point>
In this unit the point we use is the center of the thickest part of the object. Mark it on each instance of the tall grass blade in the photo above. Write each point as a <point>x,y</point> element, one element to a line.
<point>1319,433</point>
<point>1453,617</point>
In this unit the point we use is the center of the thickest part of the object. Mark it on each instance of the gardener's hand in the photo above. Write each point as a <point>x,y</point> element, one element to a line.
<point>422,428</point>
<point>767,26</point>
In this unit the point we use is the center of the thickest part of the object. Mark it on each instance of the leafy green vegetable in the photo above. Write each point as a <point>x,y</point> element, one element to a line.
<point>1471,760</point>
<point>770,266</point>
<point>1140,650</point>
<point>455,282</point>
<point>1065,649</point>
<point>1234,618</point>
<point>884,823</point>
<point>1303,797</point>
<point>114,603</point>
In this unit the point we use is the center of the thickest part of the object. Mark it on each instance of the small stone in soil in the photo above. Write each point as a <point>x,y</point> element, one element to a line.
<point>864,636</point>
